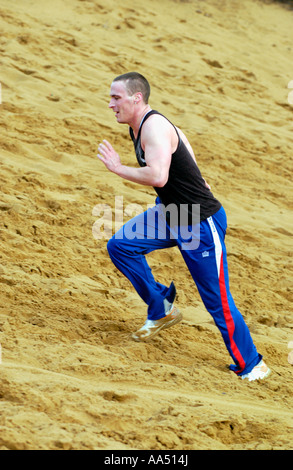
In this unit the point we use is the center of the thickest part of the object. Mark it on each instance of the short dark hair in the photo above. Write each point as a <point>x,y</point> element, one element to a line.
<point>135,82</point>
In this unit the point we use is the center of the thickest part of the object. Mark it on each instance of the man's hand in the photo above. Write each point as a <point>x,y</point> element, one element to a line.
<point>108,156</point>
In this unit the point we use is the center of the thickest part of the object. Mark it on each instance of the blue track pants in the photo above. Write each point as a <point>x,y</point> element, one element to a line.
<point>207,265</point>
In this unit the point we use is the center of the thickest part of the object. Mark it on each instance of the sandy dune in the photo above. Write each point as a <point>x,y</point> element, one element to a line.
<point>71,377</point>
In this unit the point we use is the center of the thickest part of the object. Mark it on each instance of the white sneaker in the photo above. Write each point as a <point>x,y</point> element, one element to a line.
<point>261,371</point>
<point>152,327</point>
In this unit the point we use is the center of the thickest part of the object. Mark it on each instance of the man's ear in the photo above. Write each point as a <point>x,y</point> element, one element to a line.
<point>137,97</point>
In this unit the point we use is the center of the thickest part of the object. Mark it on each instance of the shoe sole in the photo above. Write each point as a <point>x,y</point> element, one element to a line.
<point>165,326</point>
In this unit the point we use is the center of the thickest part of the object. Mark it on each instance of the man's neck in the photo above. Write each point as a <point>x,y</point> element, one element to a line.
<point>137,120</point>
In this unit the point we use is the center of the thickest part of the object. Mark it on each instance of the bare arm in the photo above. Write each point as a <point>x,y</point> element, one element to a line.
<point>157,147</point>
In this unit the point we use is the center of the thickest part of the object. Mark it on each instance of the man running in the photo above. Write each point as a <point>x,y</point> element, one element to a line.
<point>167,163</point>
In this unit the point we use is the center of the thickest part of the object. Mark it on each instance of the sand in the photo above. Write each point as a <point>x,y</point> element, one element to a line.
<point>71,376</point>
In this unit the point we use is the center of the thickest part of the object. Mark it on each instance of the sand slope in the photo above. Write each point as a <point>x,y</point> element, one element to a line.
<point>71,377</point>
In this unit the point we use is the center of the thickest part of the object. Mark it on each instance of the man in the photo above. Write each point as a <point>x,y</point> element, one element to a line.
<point>167,162</point>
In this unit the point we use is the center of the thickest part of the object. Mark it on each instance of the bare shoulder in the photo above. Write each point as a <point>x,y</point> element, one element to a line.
<point>157,121</point>
<point>158,133</point>
<point>156,126</point>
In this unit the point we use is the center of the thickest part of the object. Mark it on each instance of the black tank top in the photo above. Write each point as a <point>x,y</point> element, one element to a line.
<point>185,185</point>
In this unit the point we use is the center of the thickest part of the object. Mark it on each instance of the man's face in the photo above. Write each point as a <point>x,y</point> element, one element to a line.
<point>121,103</point>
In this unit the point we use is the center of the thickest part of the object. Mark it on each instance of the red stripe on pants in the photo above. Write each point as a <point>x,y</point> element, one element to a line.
<point>228,317</point>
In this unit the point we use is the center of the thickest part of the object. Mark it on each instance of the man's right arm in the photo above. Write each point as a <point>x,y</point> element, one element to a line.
<point>157,157</point>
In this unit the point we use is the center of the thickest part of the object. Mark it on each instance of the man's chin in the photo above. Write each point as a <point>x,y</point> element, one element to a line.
<point>119,119</point>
